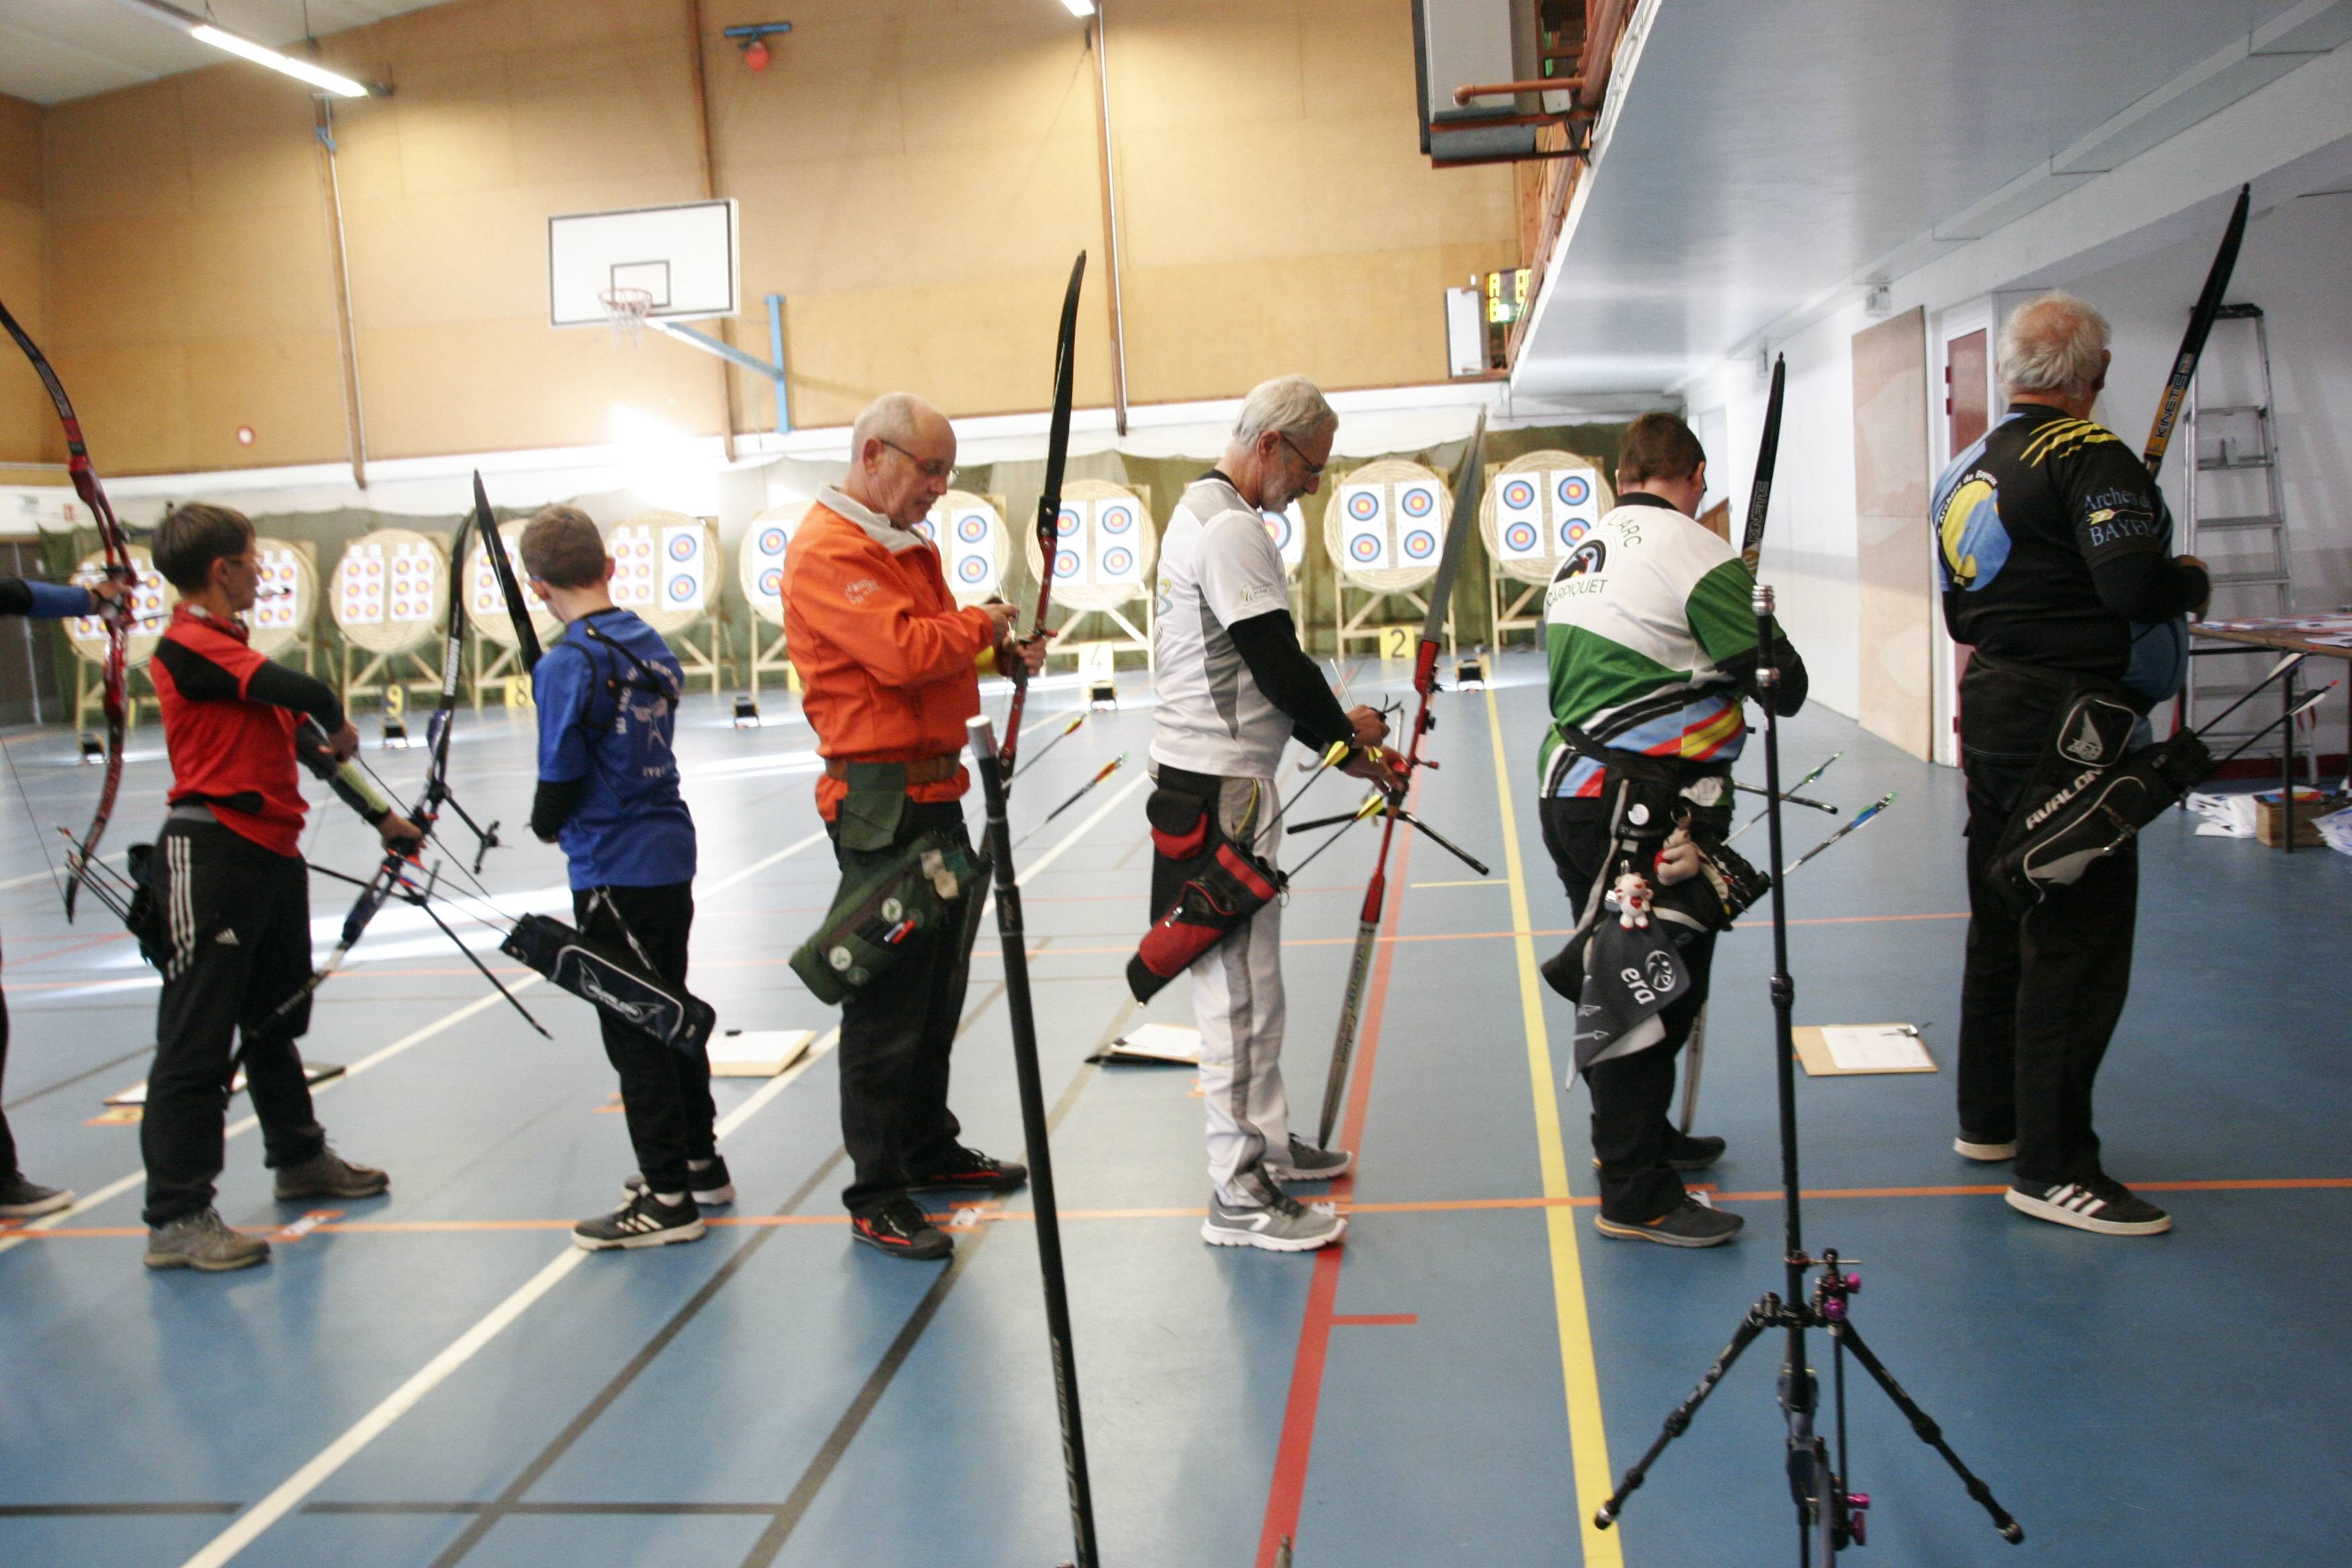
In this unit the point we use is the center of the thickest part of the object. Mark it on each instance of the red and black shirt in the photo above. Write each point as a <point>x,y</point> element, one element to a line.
<point>229,722</point>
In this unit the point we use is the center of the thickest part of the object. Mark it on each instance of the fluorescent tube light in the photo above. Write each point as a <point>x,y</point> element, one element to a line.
<point>1080,8</point>
<point>261,55</point>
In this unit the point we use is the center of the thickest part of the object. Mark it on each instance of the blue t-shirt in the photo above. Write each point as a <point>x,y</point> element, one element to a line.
<point>608,720</point>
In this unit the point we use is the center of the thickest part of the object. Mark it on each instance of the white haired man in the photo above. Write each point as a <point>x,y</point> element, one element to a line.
<point>2057,570</point>
<point>1234,686</point>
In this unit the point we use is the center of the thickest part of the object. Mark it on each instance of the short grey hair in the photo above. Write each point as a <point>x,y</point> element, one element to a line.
<point>1289,405</point>
<point>2054,345</point>
<point>893,417</point>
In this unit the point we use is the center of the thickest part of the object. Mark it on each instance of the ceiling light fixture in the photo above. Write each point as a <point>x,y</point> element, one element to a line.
<point>1080,8</point>
<point>204,32</point>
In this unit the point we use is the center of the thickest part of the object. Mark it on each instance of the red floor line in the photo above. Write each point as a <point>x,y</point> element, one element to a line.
<point>1297,1448</point>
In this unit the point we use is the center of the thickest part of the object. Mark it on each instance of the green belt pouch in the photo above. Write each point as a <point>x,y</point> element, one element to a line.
<point>875,920</point>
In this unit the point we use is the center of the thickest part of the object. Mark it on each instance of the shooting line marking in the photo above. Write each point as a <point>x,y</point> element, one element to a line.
<point>1587,1438</point>
<point>756,866</point>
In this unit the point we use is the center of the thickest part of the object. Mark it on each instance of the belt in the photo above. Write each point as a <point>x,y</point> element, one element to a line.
<point>923,771</point>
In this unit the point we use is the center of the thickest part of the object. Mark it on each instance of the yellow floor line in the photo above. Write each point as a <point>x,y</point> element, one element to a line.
<point>1588,1439</point>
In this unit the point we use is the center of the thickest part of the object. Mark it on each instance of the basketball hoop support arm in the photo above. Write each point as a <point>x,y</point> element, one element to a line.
<point>733,355</point>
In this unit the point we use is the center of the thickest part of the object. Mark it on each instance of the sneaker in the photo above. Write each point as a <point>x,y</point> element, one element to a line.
<point>1988,1153</point>
<point>2103,1205</point>
<point>328,1175</point>
<point>1281,1224</point>
<point>202,1241</point>
<point>706,1180</point>
<point>1306,1163</point>
<point>971,1168</point>
<point>1689,1224</point>
<point>644,1221</point>
<point>1687,1153</point>
<point>902,1230</point>
<point>21,1199</point>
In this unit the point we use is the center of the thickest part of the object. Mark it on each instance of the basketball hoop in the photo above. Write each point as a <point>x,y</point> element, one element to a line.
<point>626,310</point>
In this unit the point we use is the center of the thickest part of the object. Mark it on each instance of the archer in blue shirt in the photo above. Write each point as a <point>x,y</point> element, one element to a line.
<point>607,698</point>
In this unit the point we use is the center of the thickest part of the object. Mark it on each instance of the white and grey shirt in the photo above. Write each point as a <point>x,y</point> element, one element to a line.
<point>1218,566</point>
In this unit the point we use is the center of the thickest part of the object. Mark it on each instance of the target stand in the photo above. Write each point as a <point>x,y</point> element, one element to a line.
<point>1384,529</point>
<point>1535,510</point>
<point>1102,566</point>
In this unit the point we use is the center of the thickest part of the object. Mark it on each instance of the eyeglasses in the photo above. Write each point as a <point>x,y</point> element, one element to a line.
<point>1314,469</point>
<point>944,473</point>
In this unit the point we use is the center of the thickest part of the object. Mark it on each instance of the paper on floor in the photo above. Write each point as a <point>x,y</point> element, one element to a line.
<point>1879,1047</point>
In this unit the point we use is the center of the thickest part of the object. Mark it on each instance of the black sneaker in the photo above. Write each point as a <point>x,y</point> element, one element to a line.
<point>971,1169</point>
<point>1687,1153</point>
<point>901,1229</point>
<point>21,1199</point>
<point>644,1221</point>
<point>1689,1224</point>
<point>2103,1205</point>
<point>706,1180</point>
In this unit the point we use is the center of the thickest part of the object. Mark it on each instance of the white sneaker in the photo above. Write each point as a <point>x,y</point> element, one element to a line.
<point>1281,1225</point>
<point>1988,1153</point>
<point>1306,1163</point>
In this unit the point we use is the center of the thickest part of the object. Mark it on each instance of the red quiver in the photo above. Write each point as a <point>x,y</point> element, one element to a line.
<point>1206,886</point>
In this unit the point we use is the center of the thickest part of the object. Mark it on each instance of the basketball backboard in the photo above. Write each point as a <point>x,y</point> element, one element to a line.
<point>683,256</point>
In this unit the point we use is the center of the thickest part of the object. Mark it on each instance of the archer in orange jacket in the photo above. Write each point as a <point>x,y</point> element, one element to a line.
<point>889,671</point>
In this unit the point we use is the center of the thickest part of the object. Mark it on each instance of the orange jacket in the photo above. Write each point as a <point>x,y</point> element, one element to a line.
<point>889,665</point>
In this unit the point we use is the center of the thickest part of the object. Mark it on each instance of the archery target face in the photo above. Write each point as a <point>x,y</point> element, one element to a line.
<point>1118,528</point>
<point>1364,527</point>
<point>1287,529</point>
<point>408,593</point>
<point>279,607</point>
<point>686,568</point>
<point>760,559</point>
<point>635,571</point>
<point>1519,522</point>
<point>388,592</point>
<point>1069,555</point>
<point>972,543</point>
<point>1576,507</point>
<point>150,600</point>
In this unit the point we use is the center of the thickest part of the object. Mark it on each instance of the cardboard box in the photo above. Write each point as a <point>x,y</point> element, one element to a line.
<point>2270,819</point>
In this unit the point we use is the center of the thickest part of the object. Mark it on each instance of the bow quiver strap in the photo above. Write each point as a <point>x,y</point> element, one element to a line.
<point>618,986</point>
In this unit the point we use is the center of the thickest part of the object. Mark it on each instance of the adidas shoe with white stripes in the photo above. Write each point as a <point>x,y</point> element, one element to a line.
<point>644,1221</point>
<point>2105,1206</point>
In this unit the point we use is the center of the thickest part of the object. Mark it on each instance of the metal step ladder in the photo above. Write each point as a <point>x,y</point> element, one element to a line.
<point>2229,444</point>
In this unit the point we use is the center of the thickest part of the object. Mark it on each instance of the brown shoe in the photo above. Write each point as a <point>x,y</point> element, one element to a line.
<point>328,1175</point>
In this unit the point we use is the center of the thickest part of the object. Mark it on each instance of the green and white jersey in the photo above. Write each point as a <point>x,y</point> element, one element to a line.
<point>1637,623</point>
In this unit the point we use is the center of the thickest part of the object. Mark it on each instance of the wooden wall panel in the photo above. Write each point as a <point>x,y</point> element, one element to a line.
<point>28,431</point>
<point>914,176</point>
<point>1890,487</point>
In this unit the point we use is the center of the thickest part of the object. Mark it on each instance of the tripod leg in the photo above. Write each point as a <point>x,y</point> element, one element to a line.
<point>1759,1318</point>
<point>1929,1433</point>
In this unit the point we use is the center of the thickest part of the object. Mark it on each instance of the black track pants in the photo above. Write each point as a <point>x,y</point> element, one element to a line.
<point>896,1036</point>
<point>664,1094</point>
<point>7,1142</point>
<point>2041,994</point>
<point>239,918</point>
<point>1631,1095</point>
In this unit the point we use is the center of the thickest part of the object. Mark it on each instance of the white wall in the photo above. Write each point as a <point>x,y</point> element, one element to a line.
<point>1809,537</point>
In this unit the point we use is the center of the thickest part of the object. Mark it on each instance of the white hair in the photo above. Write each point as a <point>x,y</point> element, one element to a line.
<point>1289,404</point>
<point>893,417</point>
<point>2054,345</point>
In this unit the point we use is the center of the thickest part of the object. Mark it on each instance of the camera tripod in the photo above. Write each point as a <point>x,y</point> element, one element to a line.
<point>1829,1517</point>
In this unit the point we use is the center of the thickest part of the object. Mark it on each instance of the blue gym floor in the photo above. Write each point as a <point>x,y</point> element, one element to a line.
<point>436,1377</point>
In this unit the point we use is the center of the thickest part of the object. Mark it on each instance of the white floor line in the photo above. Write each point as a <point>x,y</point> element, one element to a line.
<point>55,874</point>
<point>116,1188</point>
<point>756,866</point>
<point>291,1492</point>
<point>1104,809</point>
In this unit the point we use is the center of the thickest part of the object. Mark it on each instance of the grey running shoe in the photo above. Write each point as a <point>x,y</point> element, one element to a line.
<point>2103,1205</point>
<point>202,1241</point>
<point>1691,1222</point>
<point>1282,1224</point>
<point>328,1175</point>
<point>1306,1163</point>
<point>644,1221</point>
<point>706,1180</point>
<point>21,1199</point>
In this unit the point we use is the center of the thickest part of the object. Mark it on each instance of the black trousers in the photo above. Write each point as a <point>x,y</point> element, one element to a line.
<point>238,919</point>
<point>1631,1095</point>
<point>2041,994</point>
<point>664,1094</point>
<point>897,1033</point>
<point>7,1142</point>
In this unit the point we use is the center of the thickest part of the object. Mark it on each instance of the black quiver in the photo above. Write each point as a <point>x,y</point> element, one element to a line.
<point>615,983</point>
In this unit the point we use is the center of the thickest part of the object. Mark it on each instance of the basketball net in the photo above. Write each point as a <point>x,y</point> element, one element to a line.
<point>626,310</point>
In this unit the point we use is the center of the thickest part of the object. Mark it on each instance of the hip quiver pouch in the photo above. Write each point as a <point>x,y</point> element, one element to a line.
<point>872,921</point>
<point>1204,887</point>
<point>2091,794</point>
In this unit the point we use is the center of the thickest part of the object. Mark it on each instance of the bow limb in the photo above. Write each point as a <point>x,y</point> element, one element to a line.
<point>494,549</point>
<point>1049,500</point>
<point>114,674</point>
<point>1468,478</point>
